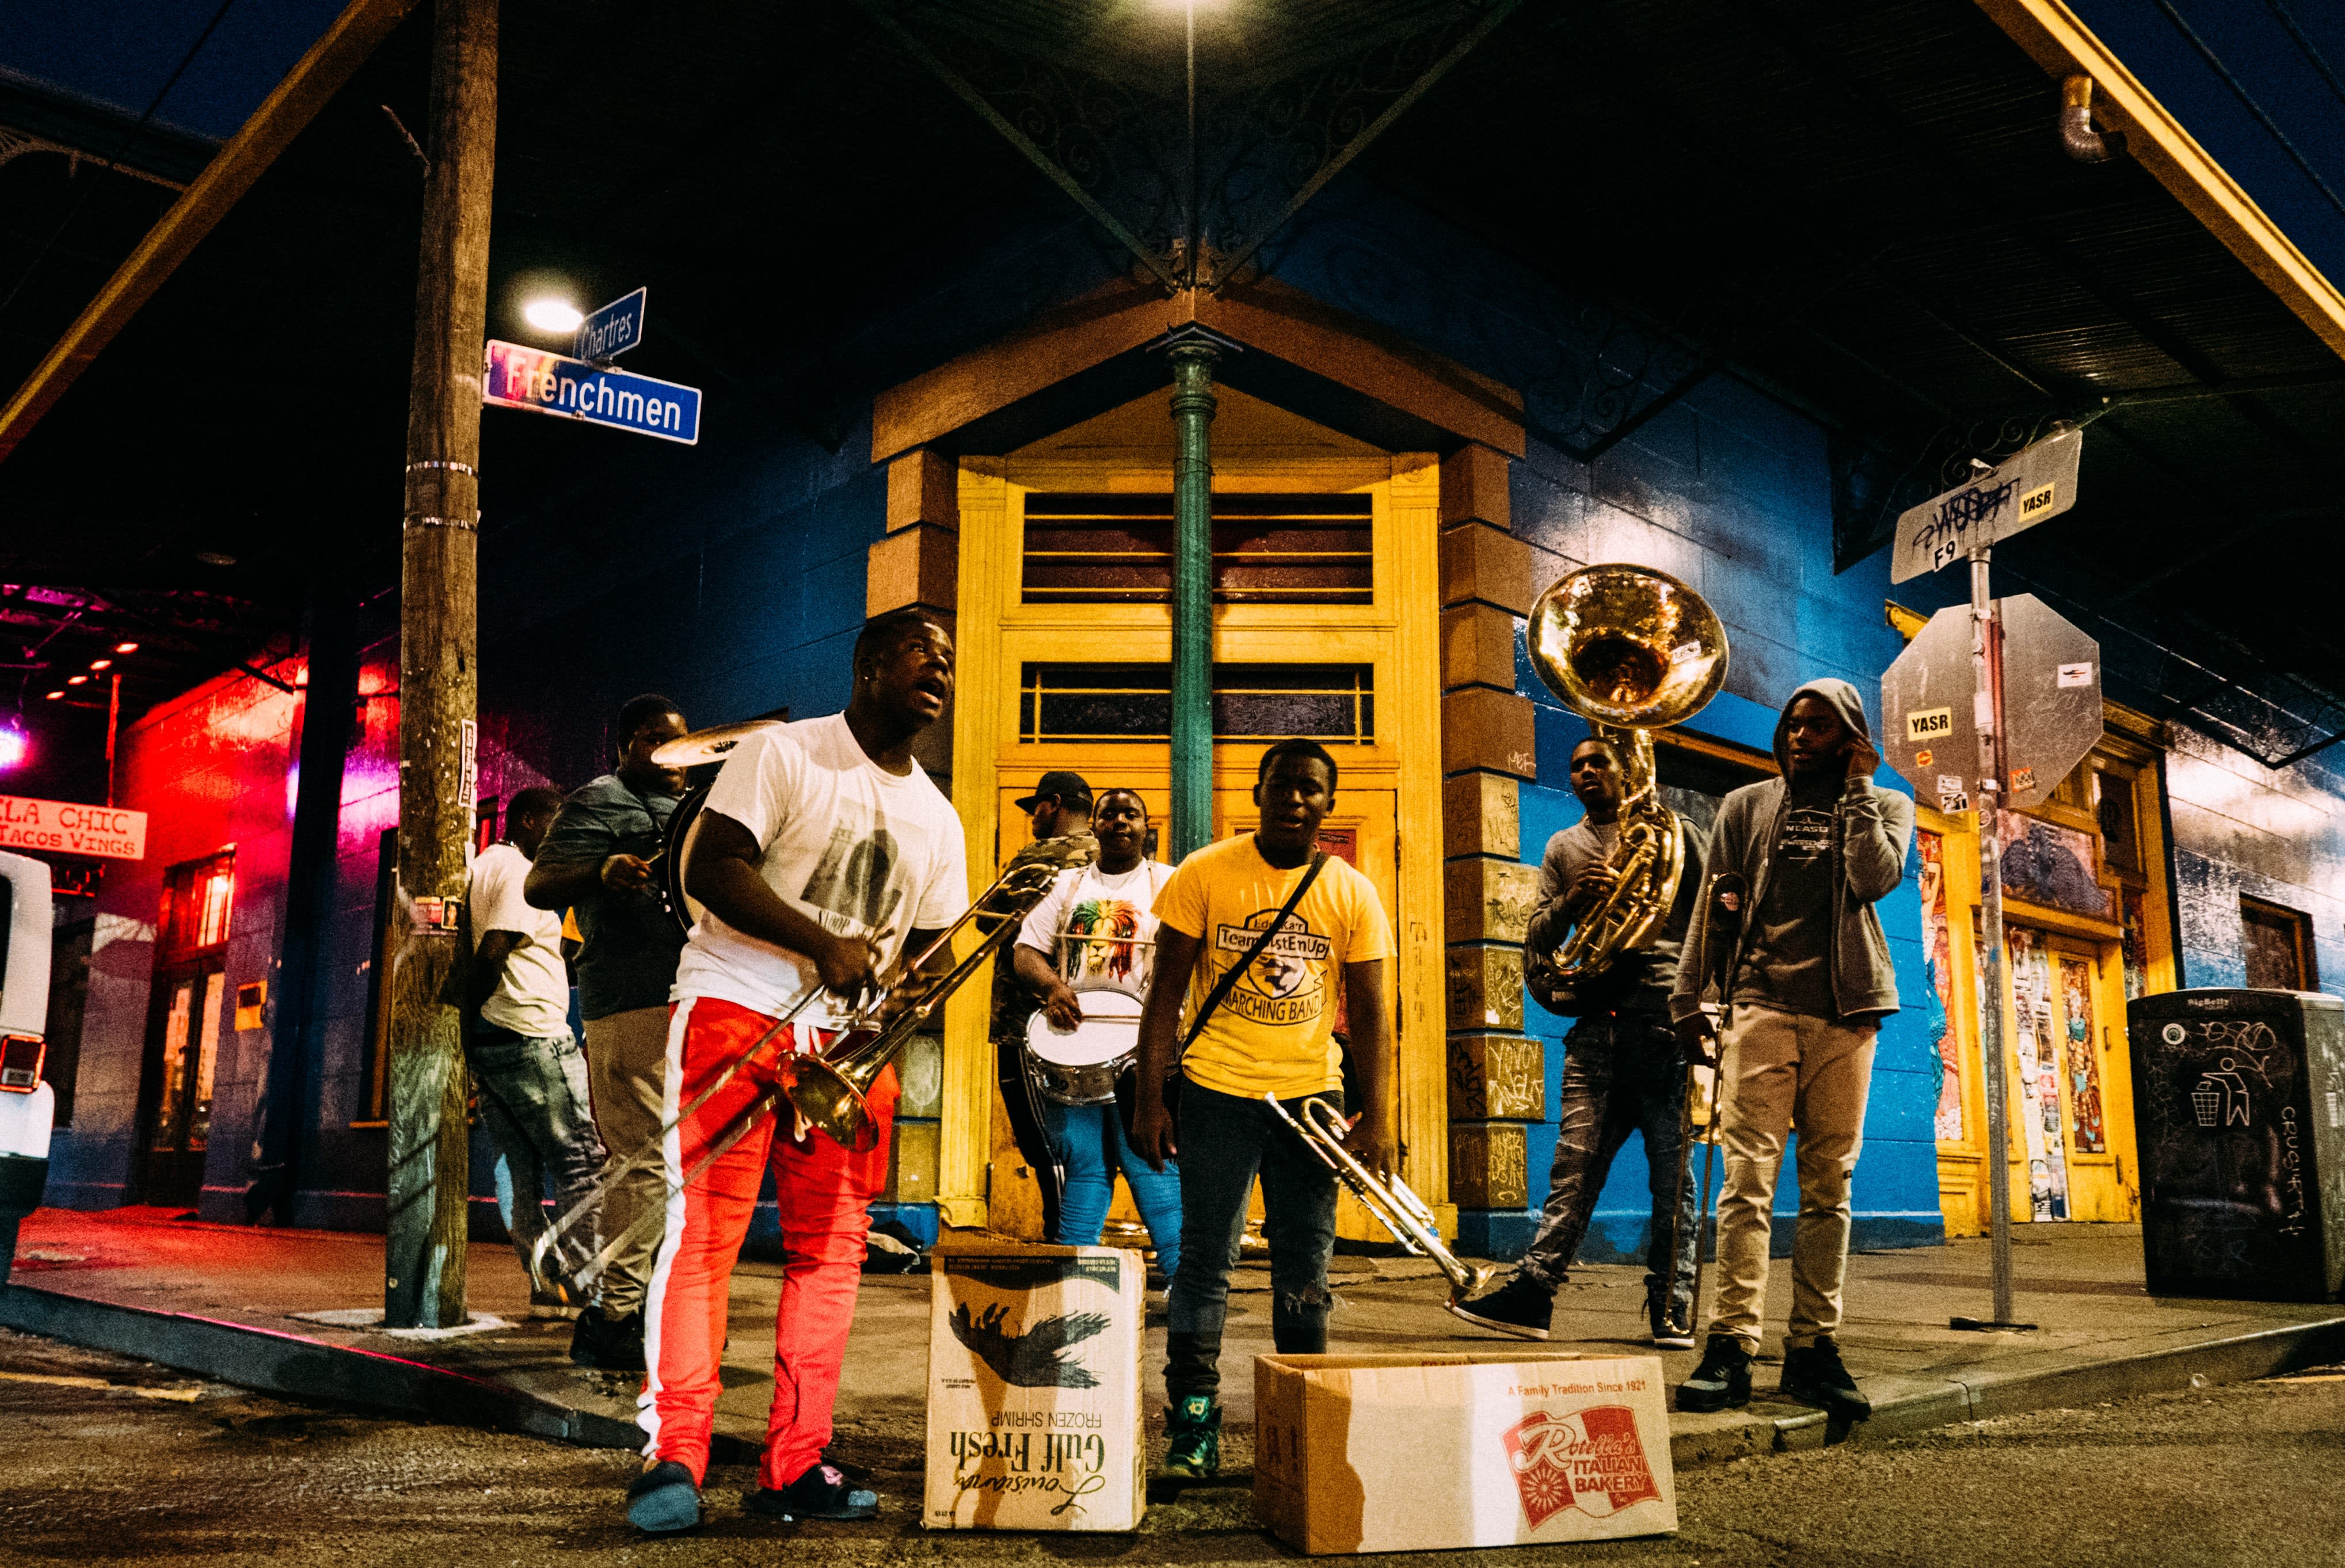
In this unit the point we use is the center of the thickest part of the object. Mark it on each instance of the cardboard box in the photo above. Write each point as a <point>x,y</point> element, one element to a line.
<point>1034,1388</point>
<point>1408,1453</point>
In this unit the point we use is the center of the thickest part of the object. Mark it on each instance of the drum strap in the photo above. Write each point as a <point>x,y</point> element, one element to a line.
<point>1230,975</point>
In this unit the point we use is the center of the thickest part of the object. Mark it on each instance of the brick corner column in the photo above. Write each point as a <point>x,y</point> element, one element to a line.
<point>1498,1076</point>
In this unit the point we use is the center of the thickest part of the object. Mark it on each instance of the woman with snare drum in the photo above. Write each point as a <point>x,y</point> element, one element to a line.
<point>1087,950</point>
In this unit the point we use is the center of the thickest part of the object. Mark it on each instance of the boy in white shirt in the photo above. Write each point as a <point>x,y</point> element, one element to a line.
<point>527,1067</point>
<point>823,855</point>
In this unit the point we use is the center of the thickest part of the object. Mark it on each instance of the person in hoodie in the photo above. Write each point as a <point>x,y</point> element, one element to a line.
<point>1811,981</point>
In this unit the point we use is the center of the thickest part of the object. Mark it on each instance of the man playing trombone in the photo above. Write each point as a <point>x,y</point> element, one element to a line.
<point>823,855</point>
<point>1257,932</point>
<point>1624,1071</point>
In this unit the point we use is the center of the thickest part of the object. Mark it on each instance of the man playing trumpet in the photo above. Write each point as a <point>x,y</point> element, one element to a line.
<point>823,855</point>
<point>1273,1032</point>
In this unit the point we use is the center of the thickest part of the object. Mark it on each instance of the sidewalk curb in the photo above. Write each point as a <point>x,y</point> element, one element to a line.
<point>1981,1393</point>
<point>271,1362</point>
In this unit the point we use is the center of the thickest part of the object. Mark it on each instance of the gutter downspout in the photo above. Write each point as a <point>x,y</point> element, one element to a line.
<point>2078,140</point>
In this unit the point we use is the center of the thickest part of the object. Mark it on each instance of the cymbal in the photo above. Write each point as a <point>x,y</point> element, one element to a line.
<point>710,745</point>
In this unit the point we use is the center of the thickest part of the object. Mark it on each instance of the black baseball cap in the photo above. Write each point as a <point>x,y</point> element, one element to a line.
<point>1068,787</point>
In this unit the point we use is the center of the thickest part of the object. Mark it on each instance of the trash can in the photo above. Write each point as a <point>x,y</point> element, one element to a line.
<point>2239,1122</point>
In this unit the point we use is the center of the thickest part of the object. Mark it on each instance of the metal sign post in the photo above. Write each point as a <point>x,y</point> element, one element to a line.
<point>1986,666</point>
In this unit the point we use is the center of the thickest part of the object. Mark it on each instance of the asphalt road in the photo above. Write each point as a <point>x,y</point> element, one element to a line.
<point>110,1460</point>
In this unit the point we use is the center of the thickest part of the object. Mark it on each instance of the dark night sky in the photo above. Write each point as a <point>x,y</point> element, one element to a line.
<point>119,52</point>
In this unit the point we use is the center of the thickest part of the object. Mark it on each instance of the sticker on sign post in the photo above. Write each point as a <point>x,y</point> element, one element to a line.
<point>1930,724</point>
<point>2022,779</point>
<point>2076,674</point>
<point>1953,800</point>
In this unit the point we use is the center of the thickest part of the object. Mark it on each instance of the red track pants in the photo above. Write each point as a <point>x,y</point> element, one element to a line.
<point>823,1192</point>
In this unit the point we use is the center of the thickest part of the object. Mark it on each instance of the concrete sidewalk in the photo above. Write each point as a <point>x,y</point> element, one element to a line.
<point>234,1303</point>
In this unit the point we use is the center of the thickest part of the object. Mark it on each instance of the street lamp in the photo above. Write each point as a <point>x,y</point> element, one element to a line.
<point>13,746</point>
<point>551,315</point>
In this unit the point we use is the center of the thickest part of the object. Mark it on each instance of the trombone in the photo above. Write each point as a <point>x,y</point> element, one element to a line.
<point>829,1093</point>
<point>1394,1203</point>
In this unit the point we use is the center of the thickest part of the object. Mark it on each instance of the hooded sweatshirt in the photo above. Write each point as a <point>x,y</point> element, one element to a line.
<point>1816,856</point>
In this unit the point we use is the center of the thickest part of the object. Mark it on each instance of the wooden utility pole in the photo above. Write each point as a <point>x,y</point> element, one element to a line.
<point>423,1253</point>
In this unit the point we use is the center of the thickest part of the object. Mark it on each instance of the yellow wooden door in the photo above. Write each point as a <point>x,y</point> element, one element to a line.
<point>2070,1155</point>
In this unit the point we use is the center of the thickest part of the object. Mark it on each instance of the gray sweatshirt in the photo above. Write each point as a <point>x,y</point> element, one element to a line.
<point>1637,982</point>
<point>1871,828</point>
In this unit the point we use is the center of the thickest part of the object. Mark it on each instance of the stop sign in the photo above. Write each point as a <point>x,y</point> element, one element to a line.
<point>2051,705</point>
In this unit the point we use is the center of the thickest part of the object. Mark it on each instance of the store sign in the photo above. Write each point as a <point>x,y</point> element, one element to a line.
<point>72,827</point>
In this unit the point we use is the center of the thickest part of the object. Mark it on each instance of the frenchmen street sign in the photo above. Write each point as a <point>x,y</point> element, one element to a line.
<point>543,382</point>
<point>72,827</point>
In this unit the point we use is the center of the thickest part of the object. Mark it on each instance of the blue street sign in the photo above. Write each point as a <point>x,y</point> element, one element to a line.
<point>542,383</point>
<point>613,330</point>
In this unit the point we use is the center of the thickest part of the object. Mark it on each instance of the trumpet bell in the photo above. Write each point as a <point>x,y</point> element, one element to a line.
<point>1628,645</point>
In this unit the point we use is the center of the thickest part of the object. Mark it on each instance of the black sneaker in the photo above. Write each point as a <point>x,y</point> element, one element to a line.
<point>605,1344</point>
<point>663,1500</point>
<point>1669,1333</point>
<point>1722,1382</point>
<point>1813,1376</point>
<point>1521,1307</point>
<point>822,1492</point>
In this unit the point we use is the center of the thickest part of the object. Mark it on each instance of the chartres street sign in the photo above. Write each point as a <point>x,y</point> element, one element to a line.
<point>2051,705</point>
<point>613,330</point>
<point>542,383</point>
<point>72,827</point>
<point>2018,492</point>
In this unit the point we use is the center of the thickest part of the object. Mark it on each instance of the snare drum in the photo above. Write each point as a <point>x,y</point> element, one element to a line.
<point>1078,1066</point>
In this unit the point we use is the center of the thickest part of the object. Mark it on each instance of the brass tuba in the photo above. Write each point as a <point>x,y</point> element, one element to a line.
<point>1630,650</point>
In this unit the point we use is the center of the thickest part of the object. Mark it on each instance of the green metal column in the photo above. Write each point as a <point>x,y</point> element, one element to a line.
<point>1192,596</point>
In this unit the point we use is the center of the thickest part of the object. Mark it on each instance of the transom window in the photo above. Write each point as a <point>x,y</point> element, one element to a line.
<point>1331,703</point>
<point>1113,548</point>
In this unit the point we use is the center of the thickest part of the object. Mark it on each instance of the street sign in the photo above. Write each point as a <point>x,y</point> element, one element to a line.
<point>542,383</point>
<point>2016,493</point>
<point>612,331</point>
<point>72,827</point>
<point>2051,705</point>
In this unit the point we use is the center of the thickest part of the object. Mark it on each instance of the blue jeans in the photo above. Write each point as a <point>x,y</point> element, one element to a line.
<point>1090,1143</point>
<point>1621,1074</point>
<point>1225,1141</point>
<point>533,1101</point>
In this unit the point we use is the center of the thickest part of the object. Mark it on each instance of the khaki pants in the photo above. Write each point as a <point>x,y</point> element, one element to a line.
<point>627,1066</point>
<point>1782,1068</point>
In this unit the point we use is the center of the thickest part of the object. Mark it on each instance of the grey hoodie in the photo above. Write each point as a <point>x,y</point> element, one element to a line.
<point>1872,827</point>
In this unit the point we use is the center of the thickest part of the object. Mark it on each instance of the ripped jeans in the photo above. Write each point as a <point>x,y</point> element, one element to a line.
<point>1225,1141</point>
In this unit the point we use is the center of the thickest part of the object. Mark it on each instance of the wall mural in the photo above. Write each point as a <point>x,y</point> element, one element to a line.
<point>1938,954</point>
<point>2039,1073</point>
<point>2084,1121</point>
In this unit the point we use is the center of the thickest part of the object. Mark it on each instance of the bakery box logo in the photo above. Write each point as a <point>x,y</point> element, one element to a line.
<point>1592,1460</point>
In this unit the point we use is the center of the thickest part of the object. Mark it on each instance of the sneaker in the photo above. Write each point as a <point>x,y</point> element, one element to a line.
<point>1521,1307</point>
<point>1193,1437</point>
<point>1722,1382</point>
<point>822,1492</point>
<point>663,1500</point>
<point>1668,1334</point>
<point>604,1344</point>
<point>1813,1376</point>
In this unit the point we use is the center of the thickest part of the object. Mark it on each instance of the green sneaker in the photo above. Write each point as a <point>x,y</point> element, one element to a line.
<point>1193,1437</point>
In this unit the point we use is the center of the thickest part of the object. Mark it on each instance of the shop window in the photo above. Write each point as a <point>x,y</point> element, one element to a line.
<point>485,825</point>
<point>196,898</point>
<point>1270,549</point>
<point>1331,703</point>
<point>69,998</point>
<point>2278,947</point>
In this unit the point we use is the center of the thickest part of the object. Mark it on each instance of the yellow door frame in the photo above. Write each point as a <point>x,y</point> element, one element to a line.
<point>1257,448</point>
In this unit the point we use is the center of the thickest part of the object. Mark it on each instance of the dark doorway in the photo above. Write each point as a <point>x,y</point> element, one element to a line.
<point>183,1028</point>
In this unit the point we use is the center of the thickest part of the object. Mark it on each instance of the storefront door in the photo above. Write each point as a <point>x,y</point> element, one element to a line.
<point>2067,1019</point>
<point>183,1035</point>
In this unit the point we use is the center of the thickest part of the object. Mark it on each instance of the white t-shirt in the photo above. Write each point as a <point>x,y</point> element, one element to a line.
<point>846,843</point>
<point>533,995</point>
<point>1098,931</point>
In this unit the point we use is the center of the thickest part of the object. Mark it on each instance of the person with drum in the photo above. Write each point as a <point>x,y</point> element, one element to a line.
<point>1086,951</point>
<point>597,860</point>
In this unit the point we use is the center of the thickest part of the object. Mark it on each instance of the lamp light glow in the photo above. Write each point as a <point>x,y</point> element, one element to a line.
<point>13,746</point>
<point>101,664</point>
<point>76,681</point>
<point>126,647</point>
<point>55,695</point>
<point>551,315</point>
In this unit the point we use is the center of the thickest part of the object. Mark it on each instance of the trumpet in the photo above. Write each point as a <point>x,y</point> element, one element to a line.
<point>828,1093</point>
<point>1395,1204</point>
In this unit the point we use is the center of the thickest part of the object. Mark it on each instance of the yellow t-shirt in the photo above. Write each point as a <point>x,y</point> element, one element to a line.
<point>1274,1032</point>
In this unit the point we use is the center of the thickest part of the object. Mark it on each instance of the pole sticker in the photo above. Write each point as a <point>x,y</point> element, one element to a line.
<point>1930,724</point>
<point>2076,674</point>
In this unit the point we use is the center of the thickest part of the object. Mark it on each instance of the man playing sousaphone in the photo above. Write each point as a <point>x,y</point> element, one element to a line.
<point>1087,952</point>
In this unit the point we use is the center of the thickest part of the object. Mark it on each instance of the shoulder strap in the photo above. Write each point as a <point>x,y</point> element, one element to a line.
<point>1230,975</point>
